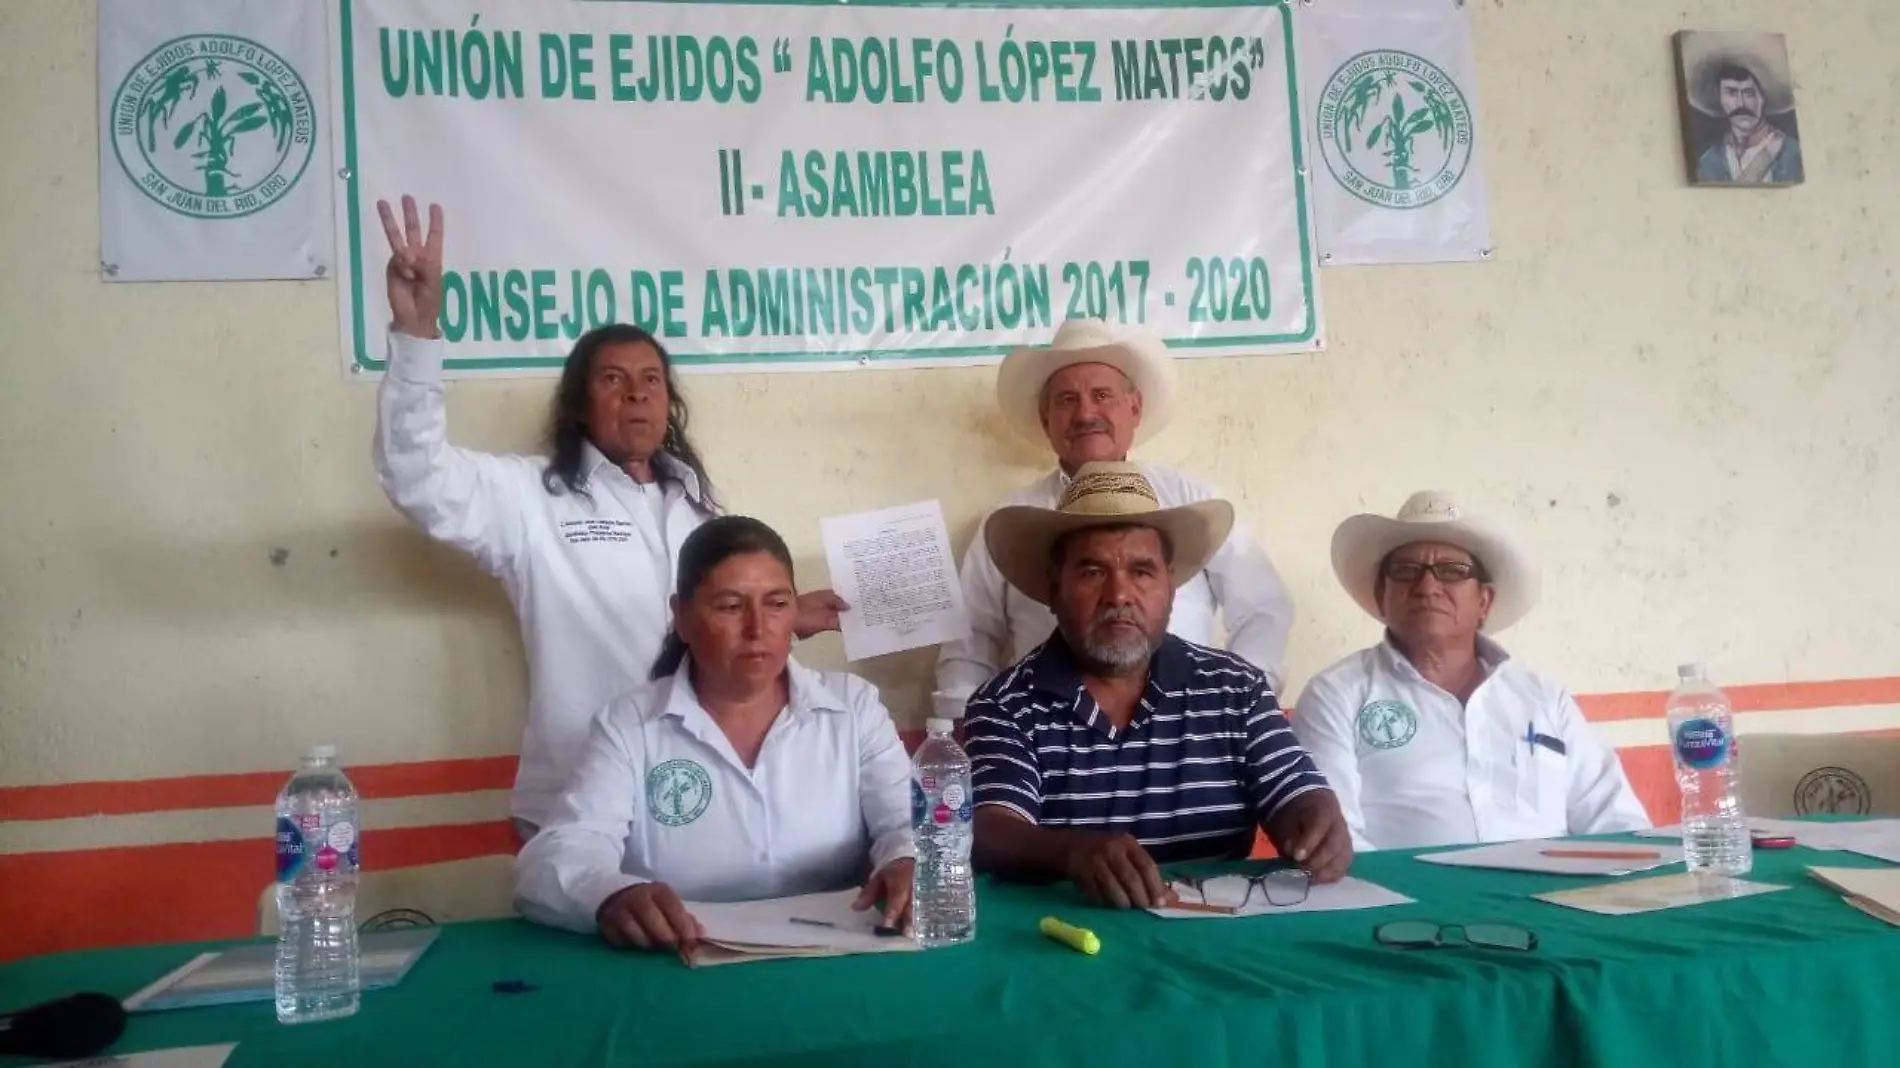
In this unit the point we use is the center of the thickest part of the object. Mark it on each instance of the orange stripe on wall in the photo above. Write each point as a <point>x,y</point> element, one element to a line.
<point>76,899</point>
<point>83,899</point>
<point>423,778</point>
<point>1768,697</point>
<point>1652,775</point>
<point>373,781</point>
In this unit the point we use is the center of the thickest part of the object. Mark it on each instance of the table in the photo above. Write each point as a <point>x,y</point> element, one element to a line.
<point>1779,979</point>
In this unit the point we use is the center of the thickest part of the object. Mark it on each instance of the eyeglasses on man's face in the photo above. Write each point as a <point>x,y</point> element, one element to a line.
<point>1447,572</point>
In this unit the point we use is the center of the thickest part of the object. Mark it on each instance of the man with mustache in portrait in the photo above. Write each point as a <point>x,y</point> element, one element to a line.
<point>1751,150</point>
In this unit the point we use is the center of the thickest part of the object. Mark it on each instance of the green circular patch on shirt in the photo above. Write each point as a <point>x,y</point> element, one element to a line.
<point>1387,724</point>
<point>678,792</point>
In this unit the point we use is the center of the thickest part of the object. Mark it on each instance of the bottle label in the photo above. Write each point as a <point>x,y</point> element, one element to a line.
<point>303,841</point>
<point>935,801</point>
<point>1701,744</point>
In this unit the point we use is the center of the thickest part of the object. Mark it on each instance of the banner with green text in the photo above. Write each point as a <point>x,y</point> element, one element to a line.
<point>815,186</point>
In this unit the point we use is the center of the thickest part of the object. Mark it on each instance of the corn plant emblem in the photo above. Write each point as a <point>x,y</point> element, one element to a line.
<point>213,126</point>
<point>1395,129</point>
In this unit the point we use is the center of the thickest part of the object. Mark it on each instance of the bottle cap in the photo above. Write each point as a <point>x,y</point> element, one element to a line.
<point>320,752</point>
<point>939,725</point>
<point>1693,670</point>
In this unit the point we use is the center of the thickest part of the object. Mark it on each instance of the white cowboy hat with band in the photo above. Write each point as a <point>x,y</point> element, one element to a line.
<point>1364,541</point>
<point>1763,55</point>
<point>1140,355</point>
<point>1103,494</point>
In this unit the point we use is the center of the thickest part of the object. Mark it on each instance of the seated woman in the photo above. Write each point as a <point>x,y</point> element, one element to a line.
<point>736,774</point>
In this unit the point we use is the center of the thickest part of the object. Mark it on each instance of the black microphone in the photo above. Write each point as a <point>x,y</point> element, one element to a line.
<point>76,1026</point>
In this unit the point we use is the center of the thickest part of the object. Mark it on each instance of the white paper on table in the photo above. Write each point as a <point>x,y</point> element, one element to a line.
<point>1529,855</point>
<point>833,925</point>
<point>246,973</point>
<point>1346,894</point>
<point>1658,892</point>
<point>1757,824</point>
<point>183,1057</point>
<point>1879,839</point>
<point>894,568</point>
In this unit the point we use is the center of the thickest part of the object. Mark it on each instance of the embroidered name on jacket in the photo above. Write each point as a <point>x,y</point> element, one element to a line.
<point>583,531</point>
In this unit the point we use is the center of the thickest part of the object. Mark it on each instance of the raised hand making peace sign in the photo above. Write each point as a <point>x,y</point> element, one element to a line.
<point>415,269</point>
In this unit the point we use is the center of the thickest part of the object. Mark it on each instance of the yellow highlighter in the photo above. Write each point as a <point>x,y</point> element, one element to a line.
<point>1076,938</point>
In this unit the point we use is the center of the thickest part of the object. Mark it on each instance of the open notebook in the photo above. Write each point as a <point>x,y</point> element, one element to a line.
<point>811,925</point>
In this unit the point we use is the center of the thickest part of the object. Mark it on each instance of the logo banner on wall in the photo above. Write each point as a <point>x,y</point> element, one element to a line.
<point>1391,100</point>
<point>811,186</point>
<point>213,140</point>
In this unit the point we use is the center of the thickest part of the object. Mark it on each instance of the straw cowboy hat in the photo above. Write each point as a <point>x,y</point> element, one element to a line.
<point>1140,355</point>
<point>1762,54</point>
<point>1363,541</point>
<point>1104,494</point>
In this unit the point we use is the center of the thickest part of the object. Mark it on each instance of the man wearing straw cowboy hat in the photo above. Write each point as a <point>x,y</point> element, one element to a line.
<point>1734,78</point>
<point>1436,736</point>
<point>1115,746</point>
<point>1091,395</point>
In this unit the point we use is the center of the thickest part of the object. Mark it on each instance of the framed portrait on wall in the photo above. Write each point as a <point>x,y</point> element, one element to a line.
<point>1738,115</point>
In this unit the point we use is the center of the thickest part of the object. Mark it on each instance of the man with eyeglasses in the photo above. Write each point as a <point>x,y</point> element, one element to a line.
<point>1435,736</point>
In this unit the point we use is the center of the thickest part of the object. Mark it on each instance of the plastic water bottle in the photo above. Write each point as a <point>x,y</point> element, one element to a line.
<point>1702,736</point>
<point>943,898</point>
<point>317,962</point>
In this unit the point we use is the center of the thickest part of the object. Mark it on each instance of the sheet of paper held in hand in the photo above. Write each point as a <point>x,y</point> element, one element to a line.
<point>1656,893</point>
<point>1558,857</point>
<point>894,568</point>
<point>182,1057</point>
<point>810,925</point>
<point>1879,839</point>
<point>1229,891</point>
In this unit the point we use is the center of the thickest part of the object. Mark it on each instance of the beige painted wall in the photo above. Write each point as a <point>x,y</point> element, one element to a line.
<point>1691,399</point>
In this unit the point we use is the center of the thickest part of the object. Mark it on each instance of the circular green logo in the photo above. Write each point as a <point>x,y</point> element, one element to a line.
<point>213,126</point>
<point>1387,724</point>
<point>1395,130</point>
<point>678,792</point>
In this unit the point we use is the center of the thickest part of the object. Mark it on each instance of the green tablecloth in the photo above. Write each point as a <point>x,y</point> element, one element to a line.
<point>1784,978</point>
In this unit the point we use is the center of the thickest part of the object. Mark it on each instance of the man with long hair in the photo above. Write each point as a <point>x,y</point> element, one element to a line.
<point>585,539</point>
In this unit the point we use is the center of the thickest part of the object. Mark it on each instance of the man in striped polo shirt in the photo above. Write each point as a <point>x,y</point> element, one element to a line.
<point>1115,747</point>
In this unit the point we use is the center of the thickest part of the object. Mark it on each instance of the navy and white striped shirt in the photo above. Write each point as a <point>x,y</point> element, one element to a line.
<point>1207,756</point>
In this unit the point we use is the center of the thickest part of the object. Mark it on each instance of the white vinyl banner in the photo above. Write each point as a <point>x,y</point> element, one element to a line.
<point>1391,102</point>
<point>802,185</point>
<point>213,140</point>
